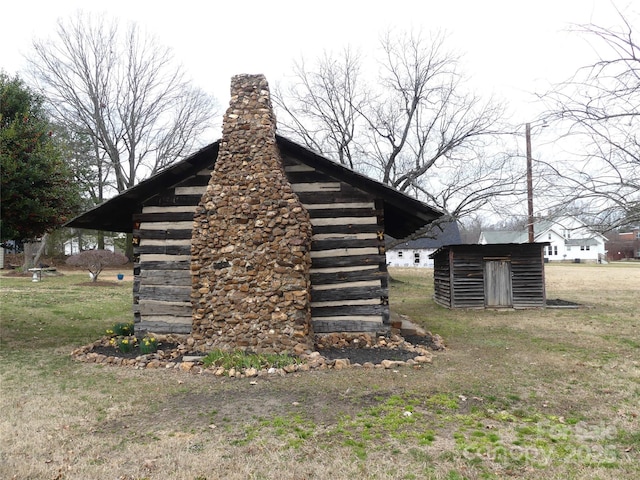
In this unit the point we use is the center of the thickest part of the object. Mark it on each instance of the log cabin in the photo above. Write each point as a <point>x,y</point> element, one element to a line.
<point>349,214</point>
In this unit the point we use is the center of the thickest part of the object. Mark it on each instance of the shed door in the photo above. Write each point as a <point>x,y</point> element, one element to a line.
<point>497,283</point>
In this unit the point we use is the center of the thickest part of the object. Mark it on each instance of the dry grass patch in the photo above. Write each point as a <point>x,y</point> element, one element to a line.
<point>519,394</point>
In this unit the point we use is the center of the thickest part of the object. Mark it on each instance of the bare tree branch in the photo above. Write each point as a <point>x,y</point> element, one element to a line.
<point>416,129</point>
<point>599,109</point>
<point>122,90</point>
<point>324,113</point>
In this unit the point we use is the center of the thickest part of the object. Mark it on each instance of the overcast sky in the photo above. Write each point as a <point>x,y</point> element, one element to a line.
<point>510,48</point>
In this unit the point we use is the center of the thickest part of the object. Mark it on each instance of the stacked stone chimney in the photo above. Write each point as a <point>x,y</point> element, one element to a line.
<point>251,238</point>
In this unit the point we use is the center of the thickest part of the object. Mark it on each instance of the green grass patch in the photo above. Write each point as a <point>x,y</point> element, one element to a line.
<point>242,360</point>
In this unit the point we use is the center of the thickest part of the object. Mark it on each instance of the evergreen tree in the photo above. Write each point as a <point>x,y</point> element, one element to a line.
<point>37,188</point>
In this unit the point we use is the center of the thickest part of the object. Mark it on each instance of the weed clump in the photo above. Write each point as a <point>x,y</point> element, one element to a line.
<point>243,360</point>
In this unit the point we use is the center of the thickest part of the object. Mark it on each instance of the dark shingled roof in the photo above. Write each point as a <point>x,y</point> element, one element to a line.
<point>445,234</point>
<point>403,214</point>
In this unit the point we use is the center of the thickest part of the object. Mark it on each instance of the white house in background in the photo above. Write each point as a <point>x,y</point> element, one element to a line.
<point>569,240</point>
<point>415,253</point>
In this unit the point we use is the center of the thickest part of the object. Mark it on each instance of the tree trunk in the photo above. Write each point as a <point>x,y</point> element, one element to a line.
<point>129,247</point>
<point>31,255</point>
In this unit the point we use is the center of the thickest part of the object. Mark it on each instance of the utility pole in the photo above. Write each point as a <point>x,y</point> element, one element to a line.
<point>529,183</point>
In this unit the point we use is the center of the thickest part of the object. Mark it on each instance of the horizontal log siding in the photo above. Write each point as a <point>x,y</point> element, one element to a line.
<point>348,275</point>
<point>348,267</point>
<point>162,239</point>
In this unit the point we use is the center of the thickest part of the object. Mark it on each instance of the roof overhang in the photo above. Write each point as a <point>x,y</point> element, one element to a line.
<point>403,214</point>
<point>116,214</point>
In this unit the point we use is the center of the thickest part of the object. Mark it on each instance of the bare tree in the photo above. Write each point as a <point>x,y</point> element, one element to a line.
<point>96,260</point>
<point>416,128</point>
<point>598,108</point>
<point>326,103</point>
<point>124,92</point>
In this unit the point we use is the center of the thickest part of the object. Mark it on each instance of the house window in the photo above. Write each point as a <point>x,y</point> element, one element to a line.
<point>549,236</point>
<point>582,247</point>
<point>568,248</point>
<point>555,249</point>
<point>400,254</point>
<point>588,247</point>
<point>416,258</point>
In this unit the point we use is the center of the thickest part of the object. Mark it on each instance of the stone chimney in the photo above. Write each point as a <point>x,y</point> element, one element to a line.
<point>251,240</point>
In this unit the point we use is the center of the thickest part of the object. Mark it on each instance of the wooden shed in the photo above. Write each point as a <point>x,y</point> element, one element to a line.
<point>350,213</point>
<point>508,275</point>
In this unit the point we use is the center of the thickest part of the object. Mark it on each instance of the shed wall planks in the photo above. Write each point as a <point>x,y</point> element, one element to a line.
<point>459,275</point>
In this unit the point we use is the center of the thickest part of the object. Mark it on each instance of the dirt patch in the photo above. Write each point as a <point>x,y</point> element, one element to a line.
<point>376,355</point>
<point>98,283</point>
<point>165,350</point>
<point>367,355</point>
<point>559,303</point>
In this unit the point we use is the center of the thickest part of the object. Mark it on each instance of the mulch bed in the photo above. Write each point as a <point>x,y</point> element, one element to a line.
<point>376,355</point>
<point>110,351</point>
<point>367,355</point>
<point>360,355</point>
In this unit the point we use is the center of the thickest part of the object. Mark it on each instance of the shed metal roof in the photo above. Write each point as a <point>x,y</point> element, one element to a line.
<point>490,248</point>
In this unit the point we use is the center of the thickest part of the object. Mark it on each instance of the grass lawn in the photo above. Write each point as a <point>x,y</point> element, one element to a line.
<point>548,394</point>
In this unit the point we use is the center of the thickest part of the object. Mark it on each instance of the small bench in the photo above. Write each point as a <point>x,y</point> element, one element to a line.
<point>37,272</point>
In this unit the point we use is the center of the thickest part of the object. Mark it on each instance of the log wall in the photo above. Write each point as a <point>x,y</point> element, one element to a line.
<point>349,290</point>
<point>162,249</point>
<point>348,272</point>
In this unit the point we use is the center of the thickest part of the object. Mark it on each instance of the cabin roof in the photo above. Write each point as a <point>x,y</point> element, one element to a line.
<point>403,214</point>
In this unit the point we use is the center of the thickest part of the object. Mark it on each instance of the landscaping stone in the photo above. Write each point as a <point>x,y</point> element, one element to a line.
<point>367,352</point>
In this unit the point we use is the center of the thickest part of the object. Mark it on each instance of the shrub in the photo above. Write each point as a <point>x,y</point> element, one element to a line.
<point>96,260</point>
<point>124,344</point>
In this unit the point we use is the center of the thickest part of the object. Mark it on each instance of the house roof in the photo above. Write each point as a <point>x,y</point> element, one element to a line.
<point>581,241</point>
<point>403,214</point>
<point>541,228</point>
<point>506,236</point>
<point>445,234</point>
